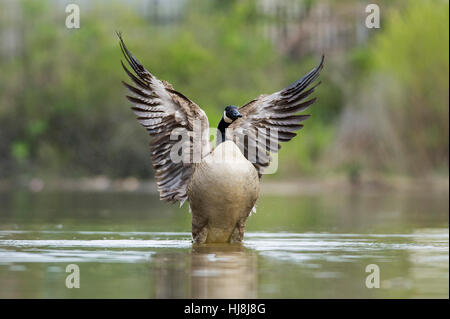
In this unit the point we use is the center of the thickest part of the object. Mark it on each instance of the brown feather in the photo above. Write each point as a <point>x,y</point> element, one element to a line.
<point>161,109</point>
<point>277,111</point>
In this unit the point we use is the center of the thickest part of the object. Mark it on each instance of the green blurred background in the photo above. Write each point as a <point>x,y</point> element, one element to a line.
<point>382,108</point>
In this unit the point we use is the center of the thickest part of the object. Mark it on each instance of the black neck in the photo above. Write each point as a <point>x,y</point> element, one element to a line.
<point>221,131</point>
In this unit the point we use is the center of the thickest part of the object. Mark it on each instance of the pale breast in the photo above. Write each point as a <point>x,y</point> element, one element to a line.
<point>227,172</point>
<point>223,189</point>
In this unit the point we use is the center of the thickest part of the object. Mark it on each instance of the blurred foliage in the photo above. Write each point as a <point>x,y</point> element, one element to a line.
<point>396,105</point>
<point>414,50</point>
<point>63,111</point>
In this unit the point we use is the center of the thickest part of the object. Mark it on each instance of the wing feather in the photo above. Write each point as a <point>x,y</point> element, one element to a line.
<point>270,119</point>
<point>161,110</point>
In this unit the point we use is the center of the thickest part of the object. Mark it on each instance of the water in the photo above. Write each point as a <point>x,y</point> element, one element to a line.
<point>130,245</point>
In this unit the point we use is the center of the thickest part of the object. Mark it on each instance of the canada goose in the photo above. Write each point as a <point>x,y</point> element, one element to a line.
<point>222,186</point>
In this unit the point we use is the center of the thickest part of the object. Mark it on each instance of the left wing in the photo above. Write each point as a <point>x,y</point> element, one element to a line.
<point>163,111</point>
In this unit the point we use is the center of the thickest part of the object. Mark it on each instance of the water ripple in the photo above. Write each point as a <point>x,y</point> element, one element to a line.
<point>140,246</point>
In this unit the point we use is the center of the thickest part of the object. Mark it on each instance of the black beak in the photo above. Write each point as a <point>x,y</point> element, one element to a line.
<point>236,114</point>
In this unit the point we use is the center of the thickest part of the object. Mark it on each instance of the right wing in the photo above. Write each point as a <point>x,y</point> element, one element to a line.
<point>270,119</point>
<point>161,110</point>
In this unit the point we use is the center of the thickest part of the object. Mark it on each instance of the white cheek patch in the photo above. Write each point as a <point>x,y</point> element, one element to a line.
<point>226,118</point>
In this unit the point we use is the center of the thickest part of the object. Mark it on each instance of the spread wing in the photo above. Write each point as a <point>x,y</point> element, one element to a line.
<point>270,119</point>
<point>163,111</point>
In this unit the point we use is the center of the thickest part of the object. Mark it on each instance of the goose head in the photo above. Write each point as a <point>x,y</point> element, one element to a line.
<point>230,114</point>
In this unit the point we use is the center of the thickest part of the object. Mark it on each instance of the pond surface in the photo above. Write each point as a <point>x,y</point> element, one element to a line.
<point>131,245</point>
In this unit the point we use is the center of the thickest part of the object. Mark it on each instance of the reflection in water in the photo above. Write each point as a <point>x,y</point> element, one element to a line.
<point>267,265</point>
<point>129,245</point>
<point>223,271</point>
<point>208,271</point>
